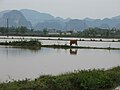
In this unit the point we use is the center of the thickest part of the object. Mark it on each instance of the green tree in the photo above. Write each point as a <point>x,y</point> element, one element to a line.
<point>45,31</point>
<point>17,30</point>
<point>2,30</point>
<point>23,30</point>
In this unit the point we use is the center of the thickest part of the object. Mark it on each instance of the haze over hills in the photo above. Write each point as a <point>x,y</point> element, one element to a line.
<point>36,17</point>
<point>15,19</point>
<point>1,13</point>
<point>54,24</point>
<point>39,21</point>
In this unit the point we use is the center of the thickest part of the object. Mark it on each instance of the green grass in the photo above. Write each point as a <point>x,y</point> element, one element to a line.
<point>32,44</point>
<point>96,79</point>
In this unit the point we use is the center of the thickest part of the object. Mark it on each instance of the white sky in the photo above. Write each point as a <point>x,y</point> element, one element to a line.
<point>67,8</point>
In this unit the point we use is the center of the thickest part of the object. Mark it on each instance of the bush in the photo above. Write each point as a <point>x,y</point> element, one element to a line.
<point>78,80</point>
<point>32,44</point>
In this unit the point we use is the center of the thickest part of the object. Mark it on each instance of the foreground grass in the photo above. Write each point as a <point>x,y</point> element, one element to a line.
<point>96,79</point>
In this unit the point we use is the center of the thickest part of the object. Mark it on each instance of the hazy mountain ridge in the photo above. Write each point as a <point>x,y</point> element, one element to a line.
<point>2,12</point>
<point>52,24</point>
<point>38,21</point>
<point>15,18</point>
<point>36,17</point>
<point>76,24</point>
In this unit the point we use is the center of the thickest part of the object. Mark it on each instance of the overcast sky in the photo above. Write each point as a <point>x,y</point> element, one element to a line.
<point>67,8</point>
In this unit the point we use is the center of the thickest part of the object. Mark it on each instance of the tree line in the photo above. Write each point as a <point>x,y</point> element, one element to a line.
<point>88,33</point>
<point>103,33</point>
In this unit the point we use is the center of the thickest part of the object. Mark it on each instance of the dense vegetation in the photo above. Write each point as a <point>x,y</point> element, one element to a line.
<point>88,33</point>
<point>98,32</point>
<point>32,44</point>
<point>95,79</point>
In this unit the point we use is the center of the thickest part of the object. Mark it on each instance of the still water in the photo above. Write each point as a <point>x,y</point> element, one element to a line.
<point>16,63</point>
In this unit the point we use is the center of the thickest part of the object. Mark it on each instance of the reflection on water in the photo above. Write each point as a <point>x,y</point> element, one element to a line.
<point>16,50</point>
<point>73,51</point>
<point>24,63</point>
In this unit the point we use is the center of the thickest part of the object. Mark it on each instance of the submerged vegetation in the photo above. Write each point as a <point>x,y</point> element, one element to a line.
<point>96,79</point>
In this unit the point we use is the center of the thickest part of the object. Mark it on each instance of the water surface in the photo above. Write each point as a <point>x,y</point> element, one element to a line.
<point>16,63</point>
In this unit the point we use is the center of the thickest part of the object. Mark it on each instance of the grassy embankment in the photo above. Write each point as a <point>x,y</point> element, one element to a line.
<point>96,79</point>
<point>35,44</point>
<point>32,44</point>
<point>78,47</point>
